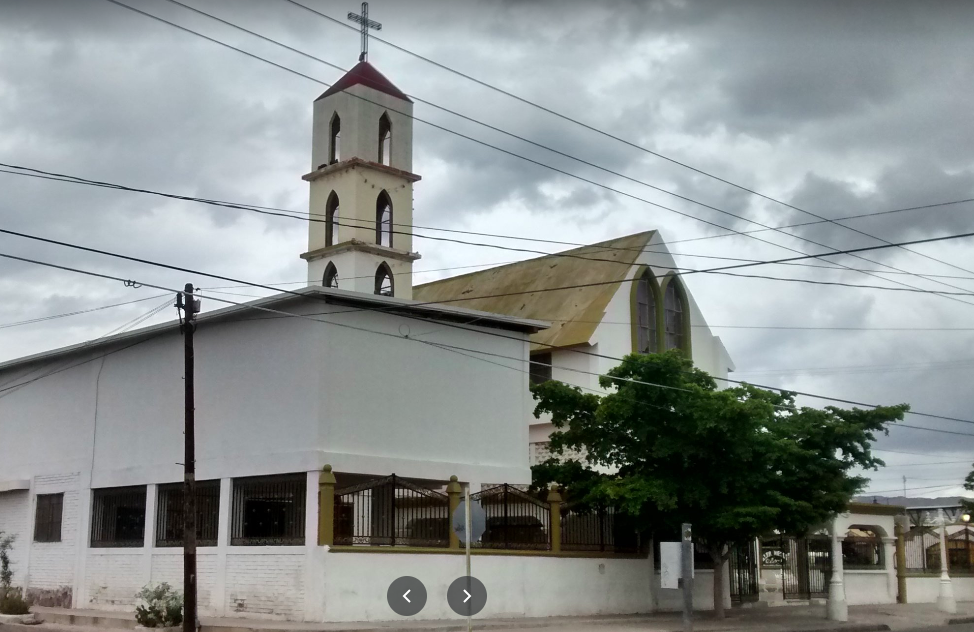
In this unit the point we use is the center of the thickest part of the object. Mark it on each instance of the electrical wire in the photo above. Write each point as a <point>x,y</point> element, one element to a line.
<point>610,136</point>
<point>345,325</point>
<point>557,170</point>
<point>75,313</point>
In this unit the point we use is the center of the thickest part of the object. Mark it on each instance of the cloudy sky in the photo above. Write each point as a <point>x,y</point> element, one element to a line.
<point>836,108</point>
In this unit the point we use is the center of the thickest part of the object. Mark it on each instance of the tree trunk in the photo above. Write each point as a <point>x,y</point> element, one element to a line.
<point>718,558</point>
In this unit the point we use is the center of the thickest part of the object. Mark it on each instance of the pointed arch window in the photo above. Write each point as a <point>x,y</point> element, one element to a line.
<point>383,220</point>
<point>645,316</point>
<point>331,276</point>
<point>384,283</point>
<point>335,142</point>
<point>385,140</point>
<point>331,220</point>
<point>676,315</point>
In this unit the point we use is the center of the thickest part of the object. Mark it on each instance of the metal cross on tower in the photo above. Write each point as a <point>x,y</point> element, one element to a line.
<point>366,24</point>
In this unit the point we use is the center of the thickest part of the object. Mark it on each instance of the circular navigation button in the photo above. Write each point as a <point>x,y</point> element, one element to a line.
<point>467,596</point>
<point>406,596</point>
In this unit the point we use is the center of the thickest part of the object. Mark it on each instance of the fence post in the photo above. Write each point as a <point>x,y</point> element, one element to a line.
<point>900,561</point>
<point>453,490</point>
<point>326,507</point>
<point>554,500</point>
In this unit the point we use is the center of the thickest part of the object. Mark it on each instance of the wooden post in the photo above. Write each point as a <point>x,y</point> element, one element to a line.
<point>900,562</point>
<point>326,507</point>
<point>453,490</point>
<point>554,499</point>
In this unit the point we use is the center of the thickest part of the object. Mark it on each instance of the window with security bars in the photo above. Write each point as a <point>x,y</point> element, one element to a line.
<point>169,514</point>
<point>540,369</point>
<point>47,519</point>
<point>268,510</point>
<point>118,517</point>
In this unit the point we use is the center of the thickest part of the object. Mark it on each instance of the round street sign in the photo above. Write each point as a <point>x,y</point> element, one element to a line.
<point>478,521</point>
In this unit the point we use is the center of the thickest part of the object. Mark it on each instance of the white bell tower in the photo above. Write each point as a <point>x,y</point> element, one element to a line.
<point>360,236</point>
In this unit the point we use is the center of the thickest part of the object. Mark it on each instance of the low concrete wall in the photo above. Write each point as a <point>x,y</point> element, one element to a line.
<point>354,585</point>
<point>869,587</point>
<point>924,589</point>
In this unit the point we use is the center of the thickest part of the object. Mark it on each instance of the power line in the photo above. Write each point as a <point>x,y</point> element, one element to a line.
<point>304,215</point>
<point>900,489</point>
<point>344,325</point>
<point>614,137</point>
<point>75,313</point>
<point>289,214</point>
<point>555,169</point>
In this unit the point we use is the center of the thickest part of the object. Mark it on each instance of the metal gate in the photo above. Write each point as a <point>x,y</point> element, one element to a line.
<point>743,573</point>
<point>806,566</point>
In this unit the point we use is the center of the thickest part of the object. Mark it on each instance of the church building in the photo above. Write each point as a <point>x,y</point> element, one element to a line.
<point>358,374</point>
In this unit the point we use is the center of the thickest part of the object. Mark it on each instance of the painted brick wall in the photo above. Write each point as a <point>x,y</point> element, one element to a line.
<point>266,586</point>
<point>168,567</point>
<point>14,516</point>
<point>113,579</point>
<point>52,563</point>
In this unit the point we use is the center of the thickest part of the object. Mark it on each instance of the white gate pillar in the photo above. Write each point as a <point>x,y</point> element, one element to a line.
<point>838,609</point>
<point>945,599</point>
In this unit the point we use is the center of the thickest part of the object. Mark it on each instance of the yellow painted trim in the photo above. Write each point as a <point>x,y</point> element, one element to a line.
<point>453,490</point>
<point>502,552</point>
<point>634,307</point>
<point>326,507</point>
<point>681,293</point>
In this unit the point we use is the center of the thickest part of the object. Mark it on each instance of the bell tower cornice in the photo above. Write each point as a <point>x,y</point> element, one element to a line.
<point>353,163</point>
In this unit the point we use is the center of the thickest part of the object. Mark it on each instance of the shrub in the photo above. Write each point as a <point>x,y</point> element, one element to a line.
<point>159,607</point>
<point>13,603</point>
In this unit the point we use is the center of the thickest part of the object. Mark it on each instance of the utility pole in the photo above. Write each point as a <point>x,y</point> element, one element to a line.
<point>686,568</point>
<point>189,306</point>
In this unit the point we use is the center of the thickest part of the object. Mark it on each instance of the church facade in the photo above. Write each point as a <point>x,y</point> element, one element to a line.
<point>359,371</point>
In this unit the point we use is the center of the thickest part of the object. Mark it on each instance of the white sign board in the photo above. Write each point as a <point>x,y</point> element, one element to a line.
<point>670,556</point>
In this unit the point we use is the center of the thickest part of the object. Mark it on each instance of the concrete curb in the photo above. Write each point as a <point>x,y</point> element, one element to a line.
<point>960,620</point>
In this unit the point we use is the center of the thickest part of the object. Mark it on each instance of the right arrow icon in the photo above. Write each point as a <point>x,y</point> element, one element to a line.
<point>468,596</point>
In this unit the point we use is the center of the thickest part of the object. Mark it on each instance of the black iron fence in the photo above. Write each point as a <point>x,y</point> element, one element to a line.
<point>391,511</point>
<point>805,564</point>
<point>922,548</point>
<point>863,553</point>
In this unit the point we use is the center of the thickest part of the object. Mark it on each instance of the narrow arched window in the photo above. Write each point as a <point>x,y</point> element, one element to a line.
<point>384,285</point>
<point>331,220</point>
<point>385,140</point>
<point>675,315</point>
<point>645,314</point>
<point>335,144</point>
<point>383,220</point>
<point>331,275</point>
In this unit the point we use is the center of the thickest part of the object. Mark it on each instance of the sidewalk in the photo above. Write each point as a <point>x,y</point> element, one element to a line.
<point>782,619</point>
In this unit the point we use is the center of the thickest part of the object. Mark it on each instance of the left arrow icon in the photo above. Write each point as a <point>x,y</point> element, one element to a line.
<point>405,597</point>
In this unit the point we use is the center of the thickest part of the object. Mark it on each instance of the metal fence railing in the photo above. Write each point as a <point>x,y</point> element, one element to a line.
<point>922,548</point>
<point>391,511</point>
<point>515,519</point>
<point>169,514</point>
<point>862,553</point>
<point>596,529</point>
<point>268,510</point>
<point>118,517</point>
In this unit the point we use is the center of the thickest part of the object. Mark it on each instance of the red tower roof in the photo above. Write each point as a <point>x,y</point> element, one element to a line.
<point>365,74</point>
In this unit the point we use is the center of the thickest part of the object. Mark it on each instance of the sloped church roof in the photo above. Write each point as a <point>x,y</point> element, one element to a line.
<point>366,74</point>
<point>578,310</point>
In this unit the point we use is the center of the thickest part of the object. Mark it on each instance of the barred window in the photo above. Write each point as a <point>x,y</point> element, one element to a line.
<point>169,514</point>
<point>47,518</point>
<point>268,510</point>
<point>118,517</point>
<point>540,371</point>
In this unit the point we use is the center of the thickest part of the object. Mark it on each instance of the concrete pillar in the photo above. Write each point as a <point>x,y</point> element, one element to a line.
<point>326,507</point>
<point>945,599</point>
<point>218,598</point>
<point>554,499</point>
<point>149,533</point>
<point>454,490</point>
<point>899,530</point>
<point>889,554</point>
<point>838,609</point>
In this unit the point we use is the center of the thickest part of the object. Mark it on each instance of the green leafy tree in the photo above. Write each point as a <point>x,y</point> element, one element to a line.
<point>969,486</point>
<point>735,463</point>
